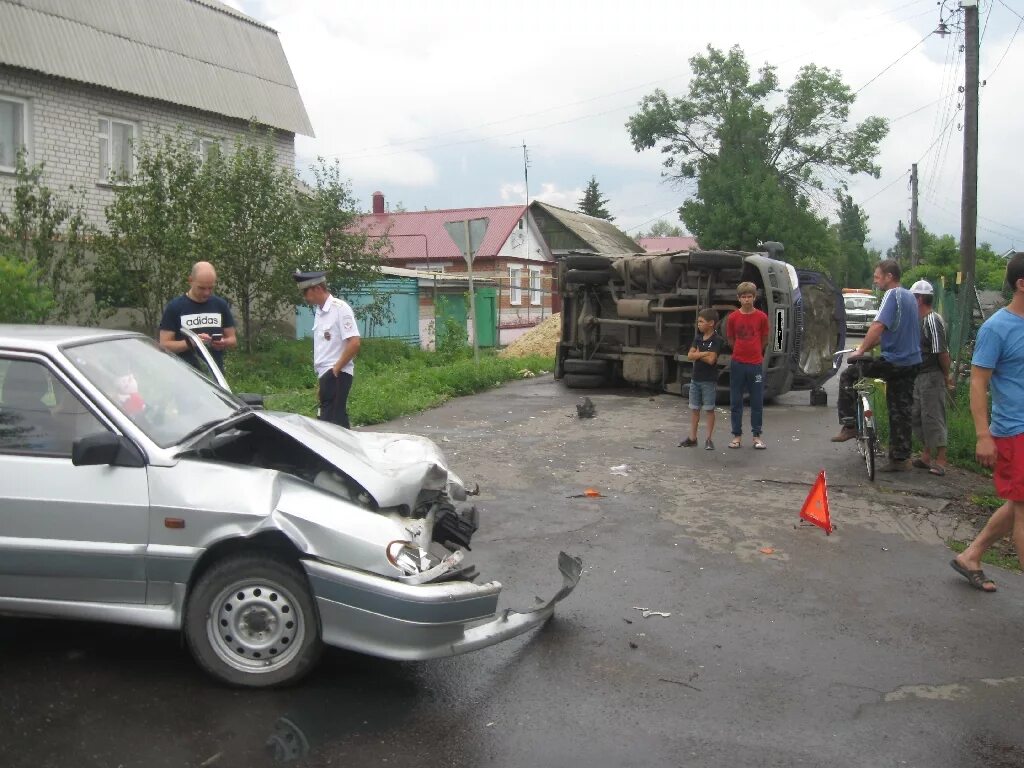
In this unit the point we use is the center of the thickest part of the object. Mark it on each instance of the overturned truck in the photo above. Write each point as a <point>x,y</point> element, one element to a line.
<point>631,319</point>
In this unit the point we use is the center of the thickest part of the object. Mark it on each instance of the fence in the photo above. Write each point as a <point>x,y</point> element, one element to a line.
<point>961,310</point>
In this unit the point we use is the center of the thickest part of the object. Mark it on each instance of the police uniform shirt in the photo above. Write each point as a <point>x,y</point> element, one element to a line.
<point>333,323</point>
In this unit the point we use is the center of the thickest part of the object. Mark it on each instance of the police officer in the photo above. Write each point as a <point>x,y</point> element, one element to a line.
<point>202,312</point>
<point>335,345</point>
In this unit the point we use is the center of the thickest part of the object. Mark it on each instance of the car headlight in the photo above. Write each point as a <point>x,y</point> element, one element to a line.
<point>409,558</point>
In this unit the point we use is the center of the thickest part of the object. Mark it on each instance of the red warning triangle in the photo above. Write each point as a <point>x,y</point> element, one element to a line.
<point>815,508</point>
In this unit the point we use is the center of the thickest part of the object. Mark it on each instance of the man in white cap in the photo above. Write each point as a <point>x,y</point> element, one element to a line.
<point>934,379</point>
<point>335,345</point>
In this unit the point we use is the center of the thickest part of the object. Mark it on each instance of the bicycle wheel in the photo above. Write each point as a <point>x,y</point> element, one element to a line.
<point>867,447</point>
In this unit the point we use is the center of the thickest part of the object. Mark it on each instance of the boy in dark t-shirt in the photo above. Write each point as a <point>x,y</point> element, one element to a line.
<point>704,381</point>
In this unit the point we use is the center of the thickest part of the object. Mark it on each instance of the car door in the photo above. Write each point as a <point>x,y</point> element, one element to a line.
<point>66,533</point>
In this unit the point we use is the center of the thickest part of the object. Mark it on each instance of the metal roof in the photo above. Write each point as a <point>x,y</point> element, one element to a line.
<point>601,235</point>
<point>420,235</point>
<point>195,53</point>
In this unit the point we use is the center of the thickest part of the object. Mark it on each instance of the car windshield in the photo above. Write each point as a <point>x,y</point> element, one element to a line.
<point>861,302</point>
<point>165,397</point>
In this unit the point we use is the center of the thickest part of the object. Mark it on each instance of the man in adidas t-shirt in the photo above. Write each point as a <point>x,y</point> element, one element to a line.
<point>203,313</point>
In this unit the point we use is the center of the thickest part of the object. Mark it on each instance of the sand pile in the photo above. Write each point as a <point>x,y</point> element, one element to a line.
<point>539,340</point>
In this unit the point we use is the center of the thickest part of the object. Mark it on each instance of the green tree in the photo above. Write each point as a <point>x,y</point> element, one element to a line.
<point>593,202</point>
<point>756,155</point>
<point>250,230</point>
<point>662,228</point>
<point>23,297</point>
<point>46,234</point>
<point>854,265</point>
<point>150,244</point>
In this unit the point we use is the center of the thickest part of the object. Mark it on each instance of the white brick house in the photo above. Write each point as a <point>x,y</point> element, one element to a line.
<point>82,80</point>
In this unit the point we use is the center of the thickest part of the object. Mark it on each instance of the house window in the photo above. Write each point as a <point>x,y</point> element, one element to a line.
<point>535,294</point>
<point>115,138</point>
<point>515,279</point>
<point>203,146</point>
<point>13,130</point>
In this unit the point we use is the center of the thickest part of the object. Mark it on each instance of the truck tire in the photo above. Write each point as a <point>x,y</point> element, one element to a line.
<point>593,367</point>
<point>585,380</point>
<point>588,276</point>
<point>586,261</point>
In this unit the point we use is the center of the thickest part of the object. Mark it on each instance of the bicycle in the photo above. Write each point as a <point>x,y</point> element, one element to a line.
<point>867,436</point>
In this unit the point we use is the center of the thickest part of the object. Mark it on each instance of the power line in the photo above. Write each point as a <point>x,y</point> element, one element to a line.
<point>886,187</point>
<point>1002,3</point>
<point>893,64</point>
<point>1012,38</point>
<point>659,216</point>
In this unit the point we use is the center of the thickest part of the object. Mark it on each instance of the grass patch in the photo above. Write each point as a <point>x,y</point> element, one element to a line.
<point>987,501</point>
<point>392,378</point>
<point>992,557</point>
<point>959,429</point>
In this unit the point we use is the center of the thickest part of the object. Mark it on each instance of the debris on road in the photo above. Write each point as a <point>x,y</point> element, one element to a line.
<point>621,469</point>
<point>647,612</point>
<point>586,409</point>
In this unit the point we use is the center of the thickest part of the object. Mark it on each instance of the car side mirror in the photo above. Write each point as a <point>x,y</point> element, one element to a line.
<point>105,448</point>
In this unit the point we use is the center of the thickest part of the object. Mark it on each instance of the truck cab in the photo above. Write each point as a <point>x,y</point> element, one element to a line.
<point>631,319</point>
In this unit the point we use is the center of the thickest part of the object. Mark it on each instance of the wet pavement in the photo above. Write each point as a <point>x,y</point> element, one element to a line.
<point>862,648</point>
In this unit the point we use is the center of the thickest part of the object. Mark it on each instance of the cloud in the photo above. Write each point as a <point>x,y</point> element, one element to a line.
<point>433,98</point>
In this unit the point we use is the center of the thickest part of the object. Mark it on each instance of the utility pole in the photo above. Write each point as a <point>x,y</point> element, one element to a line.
<point>526,172</point>
<point>915,245</point>
<point>969,198</point>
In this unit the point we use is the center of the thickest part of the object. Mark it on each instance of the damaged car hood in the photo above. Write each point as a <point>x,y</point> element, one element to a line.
<point>393,468</point>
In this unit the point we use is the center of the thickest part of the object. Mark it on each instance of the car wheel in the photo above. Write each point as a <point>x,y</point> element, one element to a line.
<point>585,380</point>
<point>588,276</point>
<point>586,261</point>
<point>586,366</point>
<point>251,622</point>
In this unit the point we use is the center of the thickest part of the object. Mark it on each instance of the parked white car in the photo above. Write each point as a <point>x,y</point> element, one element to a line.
<point>861,309</point>
<point>135,490</point>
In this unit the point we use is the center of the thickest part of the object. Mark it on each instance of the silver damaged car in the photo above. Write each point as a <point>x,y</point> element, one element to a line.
<point>135,490</point>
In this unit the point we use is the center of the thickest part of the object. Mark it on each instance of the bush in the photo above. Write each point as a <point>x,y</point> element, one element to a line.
<point>22,298</point>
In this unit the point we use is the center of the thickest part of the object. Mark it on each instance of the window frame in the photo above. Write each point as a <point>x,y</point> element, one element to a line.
<point>202,143</point>
<point>107,137</point>
<point>515,282</point>
<point>26,129</point>
<point>536,292</point>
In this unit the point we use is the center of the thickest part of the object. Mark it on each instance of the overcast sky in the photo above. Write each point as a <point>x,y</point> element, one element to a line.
<point>431,102</point>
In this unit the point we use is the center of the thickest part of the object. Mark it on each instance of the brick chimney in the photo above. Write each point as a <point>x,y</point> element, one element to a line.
<point>378,202</point>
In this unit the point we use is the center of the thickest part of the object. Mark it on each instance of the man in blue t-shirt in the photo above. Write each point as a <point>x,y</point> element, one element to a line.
<point>998,364</point>
<point>203,313</point>
<point>897,330</point>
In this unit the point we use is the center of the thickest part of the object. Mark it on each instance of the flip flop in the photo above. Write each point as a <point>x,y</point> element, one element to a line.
<point>734,443</point>
<point>920,464</point>
<point>936,470</point>
<point>976,579</point>
<point>759,444</point>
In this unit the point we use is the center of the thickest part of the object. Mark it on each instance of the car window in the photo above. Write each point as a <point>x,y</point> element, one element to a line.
<point>38,414</point>
<point>861,302</point>
<point>165,397</point>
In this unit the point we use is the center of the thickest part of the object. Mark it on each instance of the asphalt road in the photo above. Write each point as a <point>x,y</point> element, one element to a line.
<point>862,648</point>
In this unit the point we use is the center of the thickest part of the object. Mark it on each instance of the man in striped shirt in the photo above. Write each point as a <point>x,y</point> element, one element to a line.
<point>933,380</point>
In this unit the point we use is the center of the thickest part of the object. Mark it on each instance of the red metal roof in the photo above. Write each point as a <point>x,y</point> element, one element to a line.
<point>420,235</point>
<point>665,244</point>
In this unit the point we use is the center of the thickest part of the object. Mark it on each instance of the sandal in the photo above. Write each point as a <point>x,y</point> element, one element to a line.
<point>759,443</point>
<point>921,464</point>
<point>976,579</point>
<point>734,443</point>
<point>936,469</point>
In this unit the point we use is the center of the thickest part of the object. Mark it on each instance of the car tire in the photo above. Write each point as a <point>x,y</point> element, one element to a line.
<point>586,261</point>
<point>251,622</point>
<point>588,276</point>
<point>586,366</point>
<point>585,380</point>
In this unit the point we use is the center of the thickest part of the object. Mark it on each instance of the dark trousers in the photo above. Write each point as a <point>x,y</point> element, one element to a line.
<point>746,377</point>
<point>899,397</point>
<point>334,398</point>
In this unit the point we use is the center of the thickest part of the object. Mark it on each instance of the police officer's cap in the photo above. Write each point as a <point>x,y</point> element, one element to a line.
<point>308,279</point>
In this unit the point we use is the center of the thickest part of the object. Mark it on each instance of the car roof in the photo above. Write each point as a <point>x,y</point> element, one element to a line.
<point>51,337</point>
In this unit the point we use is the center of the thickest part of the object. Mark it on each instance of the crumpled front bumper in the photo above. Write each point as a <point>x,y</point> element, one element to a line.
<point>380,617</point>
